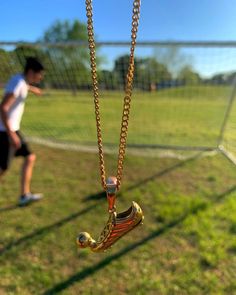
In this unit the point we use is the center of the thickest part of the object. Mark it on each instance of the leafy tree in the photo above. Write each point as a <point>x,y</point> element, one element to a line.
<point>173,57</point>
<point>189,76</point>
<point>121,68</point>
<point>7,66</point>
<point>64,31</point>
<point>70,63</point>
<point>108,80</point>
<point>151,72</point>
<point>148,71</point>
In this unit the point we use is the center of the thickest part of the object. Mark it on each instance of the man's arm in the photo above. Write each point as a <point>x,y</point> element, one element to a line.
<point>5,105</point>
<point>35,90</point>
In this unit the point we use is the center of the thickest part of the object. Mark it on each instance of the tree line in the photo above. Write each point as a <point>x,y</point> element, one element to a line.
<point>69,67</point>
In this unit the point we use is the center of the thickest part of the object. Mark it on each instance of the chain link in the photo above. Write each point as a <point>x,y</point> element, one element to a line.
<point>128,91</point>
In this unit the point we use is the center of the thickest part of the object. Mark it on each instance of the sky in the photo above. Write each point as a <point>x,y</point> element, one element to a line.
<point>160,20</point>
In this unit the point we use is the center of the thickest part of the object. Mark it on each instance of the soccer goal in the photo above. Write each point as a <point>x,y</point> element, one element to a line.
<point>183,95</point>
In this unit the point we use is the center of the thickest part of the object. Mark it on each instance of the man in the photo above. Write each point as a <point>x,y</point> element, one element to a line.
<point>11,110</point>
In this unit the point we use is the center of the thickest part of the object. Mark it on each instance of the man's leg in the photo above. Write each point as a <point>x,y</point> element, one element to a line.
<point>27,171</point>
<point>26,175</point>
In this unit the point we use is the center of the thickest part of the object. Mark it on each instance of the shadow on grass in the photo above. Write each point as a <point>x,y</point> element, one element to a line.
<point>88,271</point>
<point>95,197</point>
<point>44,230</point>
<point>165,171</point>
<point>9,208</point>
<point>102,195</point>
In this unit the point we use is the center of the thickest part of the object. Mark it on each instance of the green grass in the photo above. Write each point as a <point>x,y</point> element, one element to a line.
<point>182,116</point>
<point>187,244</point>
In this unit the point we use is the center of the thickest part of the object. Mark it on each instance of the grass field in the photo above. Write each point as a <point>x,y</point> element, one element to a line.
<point>182,116</point>
<point>187,244</point>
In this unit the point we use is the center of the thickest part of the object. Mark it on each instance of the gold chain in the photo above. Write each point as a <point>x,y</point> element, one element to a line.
<point>128,90</point>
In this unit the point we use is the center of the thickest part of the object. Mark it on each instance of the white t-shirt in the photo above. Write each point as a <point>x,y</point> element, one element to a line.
<point>18,86</point>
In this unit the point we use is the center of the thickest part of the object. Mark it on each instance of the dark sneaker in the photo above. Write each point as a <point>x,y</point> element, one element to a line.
<point>29,198</point>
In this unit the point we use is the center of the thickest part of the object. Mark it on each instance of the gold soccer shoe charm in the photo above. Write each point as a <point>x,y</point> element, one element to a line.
<point>117,225</point>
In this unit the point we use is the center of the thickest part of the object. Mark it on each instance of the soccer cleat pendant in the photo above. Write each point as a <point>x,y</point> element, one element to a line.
<point>117,225</point>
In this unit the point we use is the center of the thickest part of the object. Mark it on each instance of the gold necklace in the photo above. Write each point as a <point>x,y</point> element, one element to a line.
<point>118,224</point>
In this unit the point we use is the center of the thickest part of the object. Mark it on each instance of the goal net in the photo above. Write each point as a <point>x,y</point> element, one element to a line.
<point>183,94</point>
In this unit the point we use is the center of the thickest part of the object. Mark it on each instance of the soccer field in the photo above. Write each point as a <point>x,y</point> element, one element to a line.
<point>185,116</point>
<point>118,132</point>
<point>187,244</point>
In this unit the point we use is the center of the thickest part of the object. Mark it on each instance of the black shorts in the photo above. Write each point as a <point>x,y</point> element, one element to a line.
<point>7,152</point>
